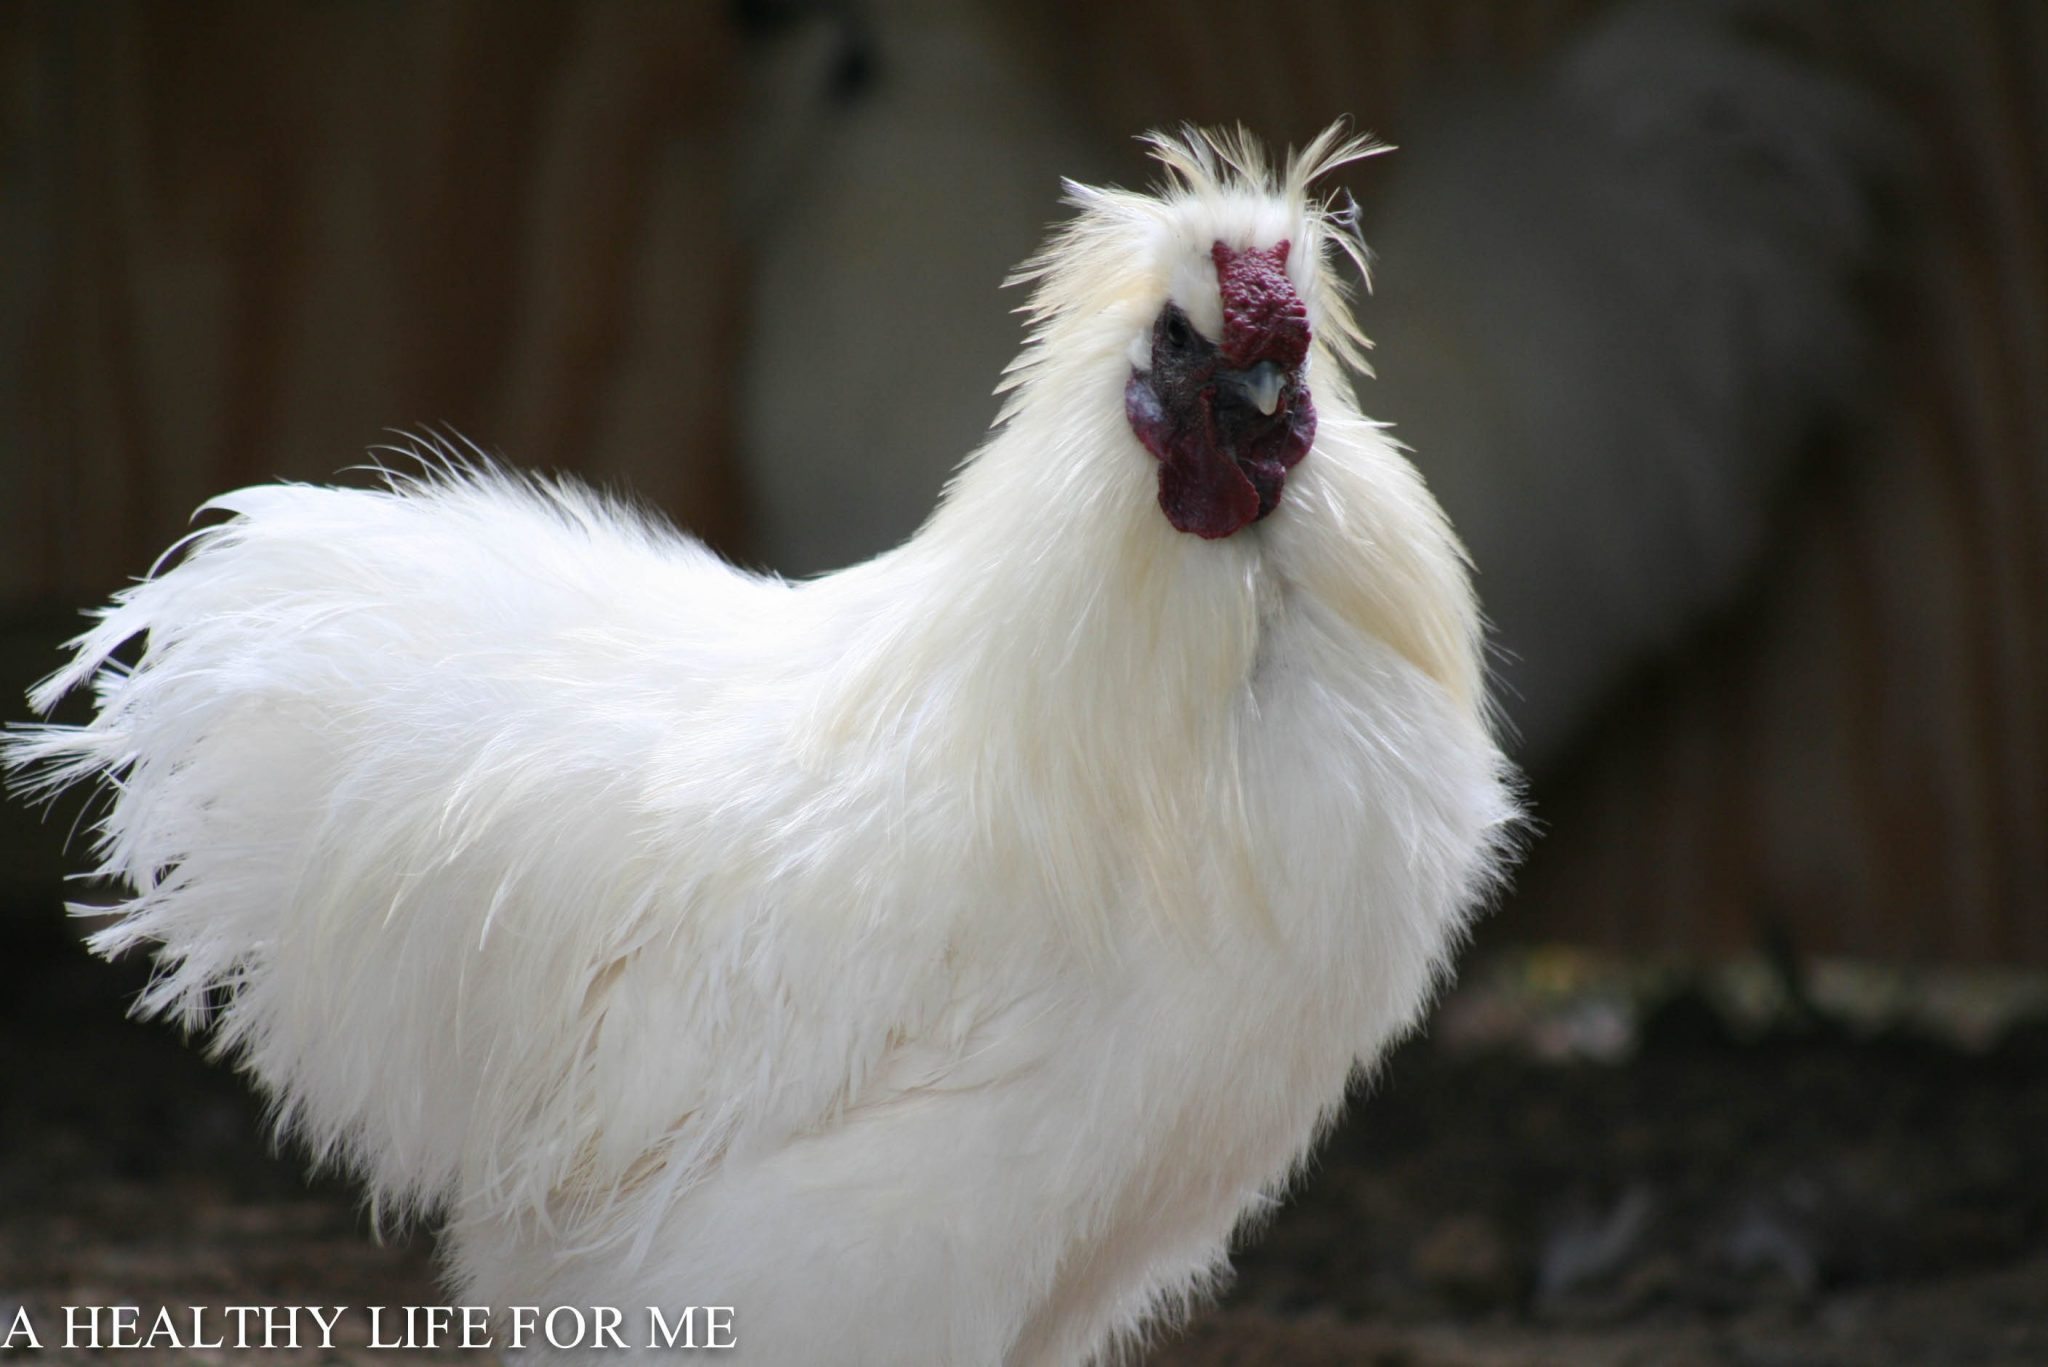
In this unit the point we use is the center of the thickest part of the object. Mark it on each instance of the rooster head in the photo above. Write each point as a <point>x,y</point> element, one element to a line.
<point>1226,416</point>
<point>1215,303</point>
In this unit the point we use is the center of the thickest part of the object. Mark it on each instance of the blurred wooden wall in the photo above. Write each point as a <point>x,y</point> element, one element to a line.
<point>1859,761</point>
<point>243,238</point>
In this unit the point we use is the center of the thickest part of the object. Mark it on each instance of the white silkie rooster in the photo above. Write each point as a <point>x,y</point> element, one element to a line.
<point>933,961</point>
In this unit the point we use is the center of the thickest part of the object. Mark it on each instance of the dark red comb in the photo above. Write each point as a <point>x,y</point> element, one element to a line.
<point>1263,318</point>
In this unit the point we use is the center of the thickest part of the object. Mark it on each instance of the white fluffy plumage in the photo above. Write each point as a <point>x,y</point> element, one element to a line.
<point>934,961</point>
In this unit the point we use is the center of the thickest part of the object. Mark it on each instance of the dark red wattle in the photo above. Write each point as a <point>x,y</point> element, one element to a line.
<point>1201,490</point>
<point>1209,484</point>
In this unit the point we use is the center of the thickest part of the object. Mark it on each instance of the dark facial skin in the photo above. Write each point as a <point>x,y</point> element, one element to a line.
<point>1223,462</point>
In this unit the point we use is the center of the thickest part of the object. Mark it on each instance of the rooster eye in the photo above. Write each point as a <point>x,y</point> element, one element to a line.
<point>1179,335</point>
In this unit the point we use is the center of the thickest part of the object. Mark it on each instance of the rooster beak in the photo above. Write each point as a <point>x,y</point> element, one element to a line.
<point>1261,385</point>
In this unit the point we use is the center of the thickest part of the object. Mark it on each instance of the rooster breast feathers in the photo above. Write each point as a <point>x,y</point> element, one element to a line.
<point>563,878</point>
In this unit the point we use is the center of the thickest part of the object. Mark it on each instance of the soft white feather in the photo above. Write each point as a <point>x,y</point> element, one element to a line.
<point>934,960</point>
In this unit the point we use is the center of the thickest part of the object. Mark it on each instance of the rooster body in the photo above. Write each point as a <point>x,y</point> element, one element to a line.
<point>933,961</point>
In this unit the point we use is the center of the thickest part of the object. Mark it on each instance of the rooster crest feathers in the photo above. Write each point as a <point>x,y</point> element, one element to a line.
<point>1220,185</point>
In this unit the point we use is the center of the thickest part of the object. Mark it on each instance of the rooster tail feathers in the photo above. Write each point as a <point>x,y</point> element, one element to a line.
<point>375,781</point>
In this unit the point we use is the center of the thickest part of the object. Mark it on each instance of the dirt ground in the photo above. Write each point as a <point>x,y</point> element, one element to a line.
<point>1804,1196</point>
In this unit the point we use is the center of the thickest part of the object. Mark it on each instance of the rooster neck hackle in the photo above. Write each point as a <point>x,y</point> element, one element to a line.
<point>1098,668</point>
<point>1049,544</point>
